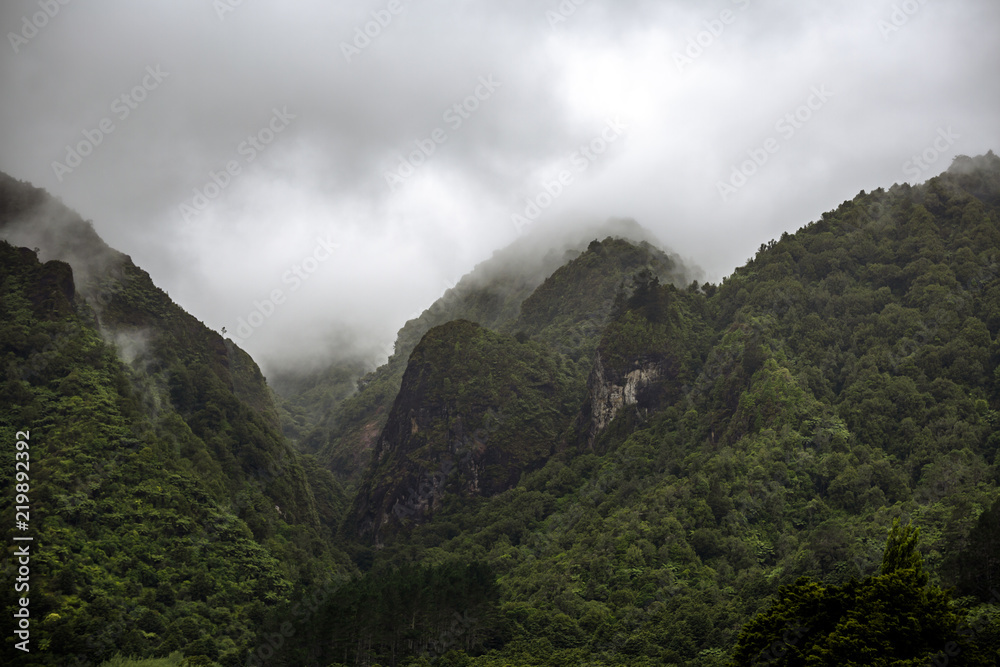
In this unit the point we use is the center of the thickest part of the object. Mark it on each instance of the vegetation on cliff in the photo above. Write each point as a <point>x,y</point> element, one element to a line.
<point>623,469</point>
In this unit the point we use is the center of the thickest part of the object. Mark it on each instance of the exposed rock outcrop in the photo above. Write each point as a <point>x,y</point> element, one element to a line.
<point>475,410</point>
<point>610,392</point>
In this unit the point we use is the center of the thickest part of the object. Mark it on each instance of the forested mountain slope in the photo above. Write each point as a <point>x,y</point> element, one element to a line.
<point>571,289</point>
<point>731,439</point>
<point>596,464</point>
<point>168,511</point>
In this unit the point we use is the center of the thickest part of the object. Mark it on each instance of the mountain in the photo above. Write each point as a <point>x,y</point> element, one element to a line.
<point>477,408</point>
<point>546,271</point>
<point>698,450</point>
<point>491,406</point>
<point>168,509</point>
<point>578,456</point>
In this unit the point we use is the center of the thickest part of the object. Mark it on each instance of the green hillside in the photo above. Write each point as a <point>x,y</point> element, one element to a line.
<point>476,412</point>
<point>166,509</point>
<point>491,295</point>
<point>576,457</point>
<point>747,435</point>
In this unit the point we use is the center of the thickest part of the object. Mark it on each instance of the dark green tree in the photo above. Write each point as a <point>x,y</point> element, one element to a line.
<point>979,562</point>
<point>892,618</point>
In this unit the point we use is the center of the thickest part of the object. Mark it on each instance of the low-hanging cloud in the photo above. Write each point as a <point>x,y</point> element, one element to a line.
<point>201,188</point>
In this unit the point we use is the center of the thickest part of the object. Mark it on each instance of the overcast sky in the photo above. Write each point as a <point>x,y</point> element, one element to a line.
<point>126,109</point>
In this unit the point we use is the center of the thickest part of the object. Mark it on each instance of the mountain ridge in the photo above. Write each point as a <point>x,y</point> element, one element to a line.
<point>629,471</point>
<point>492,294</point>
<point>164,487</point>
<point>754,432</point>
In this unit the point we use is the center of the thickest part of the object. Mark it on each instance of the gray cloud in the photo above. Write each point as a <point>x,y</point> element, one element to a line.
<point>896,79</point>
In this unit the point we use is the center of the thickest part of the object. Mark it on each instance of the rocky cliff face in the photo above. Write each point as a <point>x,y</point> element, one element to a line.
<point>476,409</point>
<point>610,392</point>
<point>647,357</point>
<point>556,294</point>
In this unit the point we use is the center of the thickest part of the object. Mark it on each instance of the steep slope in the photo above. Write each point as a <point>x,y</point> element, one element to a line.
<point>476,411</point>
<point>564,317</point>
<point>647,358</point>
<point>524,289</point>
<point>635,505</point>
<point>569,310</point>
<point>844,377</point>
<point>164,488</point>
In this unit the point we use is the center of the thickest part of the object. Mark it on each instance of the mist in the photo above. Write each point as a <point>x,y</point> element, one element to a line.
<point>335,168</point>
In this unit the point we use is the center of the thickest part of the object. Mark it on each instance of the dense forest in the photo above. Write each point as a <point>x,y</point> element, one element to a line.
<point>586,459</point>
<point>168,511</point>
